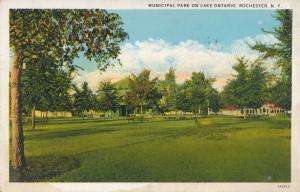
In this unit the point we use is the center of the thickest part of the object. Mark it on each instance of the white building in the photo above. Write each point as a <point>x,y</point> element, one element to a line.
<point>56,114</point>
<point>266,109</point>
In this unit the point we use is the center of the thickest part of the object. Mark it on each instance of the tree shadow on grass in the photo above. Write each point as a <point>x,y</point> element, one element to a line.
<point>80,132</point>
<point>43,168</point>
<point>218,129</point>
<point>68,133</point>
<point>280,125</point>
<point>76,121</point>
<point>210,132</point>
<point>166,136</point>
<point>227,125</point>
<point>191,131</point>
<point>286,137</point>
<point>34,130</point>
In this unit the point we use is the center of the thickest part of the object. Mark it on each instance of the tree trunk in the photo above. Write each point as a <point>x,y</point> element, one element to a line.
<point>33,117</point>
<point>27,117</point>
<point>141,109</point>
<point>47,116</point>
<point>18,157</point>
<point>44,116</point>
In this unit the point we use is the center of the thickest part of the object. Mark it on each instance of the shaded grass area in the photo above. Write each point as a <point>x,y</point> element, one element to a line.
<point>40,169</point>
<point>217,149</point>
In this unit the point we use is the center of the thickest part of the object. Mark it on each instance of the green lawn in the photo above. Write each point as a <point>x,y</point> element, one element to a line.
<point>220,149</point>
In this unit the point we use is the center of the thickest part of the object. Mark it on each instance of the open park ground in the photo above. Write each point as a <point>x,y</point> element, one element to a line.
<point>218,149</point>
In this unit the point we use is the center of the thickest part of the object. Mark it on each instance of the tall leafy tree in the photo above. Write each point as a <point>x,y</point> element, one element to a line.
<point>169,86</point>
<point>200,88</point>
<point>45,87</point>
<point>183,98</point>
<point>142,91</point>
<point>33,88</point>
<point>84,99</point>
<point>61,35</point>
<point>256,85</point>
<point>214,100</point>
<point>196,95</point>
<point>248,87</point>
<point>281,51</point>
<point>63,90</point>
<point>236,90</point>
<point>107,97</point>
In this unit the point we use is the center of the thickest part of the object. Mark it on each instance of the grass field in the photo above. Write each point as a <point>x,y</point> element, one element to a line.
<point>220,149</point>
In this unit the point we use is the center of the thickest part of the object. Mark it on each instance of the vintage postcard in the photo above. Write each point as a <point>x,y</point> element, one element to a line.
<point>150,96</point>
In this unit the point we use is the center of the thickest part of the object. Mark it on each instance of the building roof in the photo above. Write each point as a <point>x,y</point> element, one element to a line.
<point>266,105</point>
<point>230,107</point>
<point>271,106</point>
<point>123,83</point>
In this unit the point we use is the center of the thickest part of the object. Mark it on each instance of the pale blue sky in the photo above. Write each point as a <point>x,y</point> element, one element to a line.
<point>204,26</point>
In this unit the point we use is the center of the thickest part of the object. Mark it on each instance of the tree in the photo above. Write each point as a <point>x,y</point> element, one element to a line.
<point>200,88</point>
<point>142,91</point>
<point>214,100</point>
<point>45,86</point>
<point>281,51</point>
<point>196,95</point>
<point>84,99</point>
<point>256,85</point>
<point>280,93</point>
<point>107,97</point>
<point>32,89</point>
<point>169,86</point>
<point>248,87</point>
<point>183,98</point>
<point>61,35</point>
<point>154,96</point>
<point>236,90</point>
<point>60,92</point>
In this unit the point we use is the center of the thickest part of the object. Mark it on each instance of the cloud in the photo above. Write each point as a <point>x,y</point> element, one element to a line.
<point>186,57</point>
<point>240,47</point>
